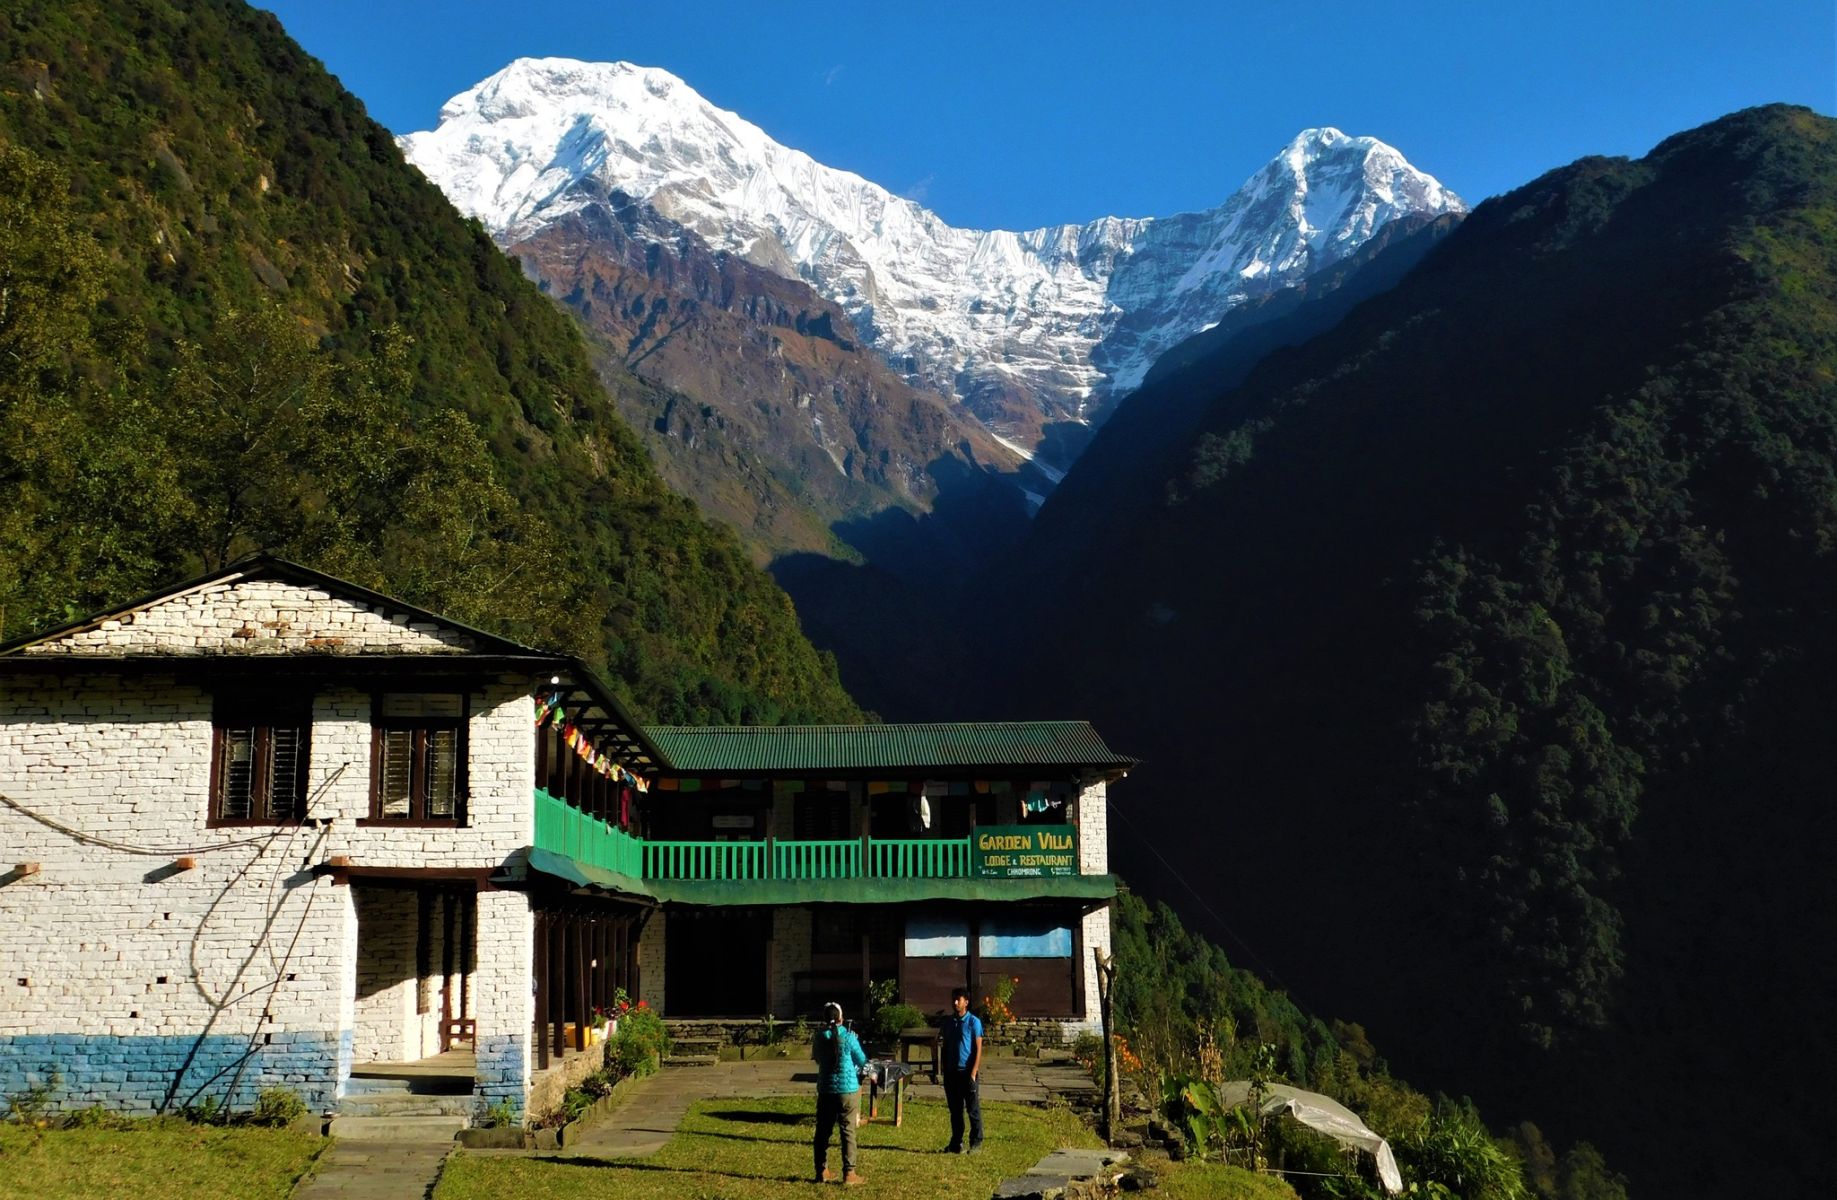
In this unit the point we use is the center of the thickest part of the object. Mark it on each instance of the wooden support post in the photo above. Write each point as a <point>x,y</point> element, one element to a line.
<point>540,969</point>
<point>558,977</point>
<point>579,967</point>
<point>468,951</point>
<point>867,980</point>
<point>1112,1090</point>
<point>867,830</point>
<point>973,958</point>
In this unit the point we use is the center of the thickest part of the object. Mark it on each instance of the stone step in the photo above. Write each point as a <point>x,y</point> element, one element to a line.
<point>696,1044</point>
<point>403,1085</point>
<point>691,1060</point>
<point>397,1129</point>
<point>406,1104</point>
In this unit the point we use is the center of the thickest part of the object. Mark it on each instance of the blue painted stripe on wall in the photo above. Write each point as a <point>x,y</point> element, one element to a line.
<point>502,1073</point>
<point>164,1074</point>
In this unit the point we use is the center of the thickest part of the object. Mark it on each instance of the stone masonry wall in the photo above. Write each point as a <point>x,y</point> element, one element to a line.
<point>1096,929</point>
<point>145,985</point>
<point>1093,819</point>
<point>651,984</point>
<point>258,616</point>
<point>504,999</point>
<point>386,983</point>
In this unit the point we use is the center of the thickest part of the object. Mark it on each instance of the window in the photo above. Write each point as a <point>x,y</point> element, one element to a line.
<point>418,758</point>
<point>1024,939</point>
<point>937,937</point>
<point>258,759</point>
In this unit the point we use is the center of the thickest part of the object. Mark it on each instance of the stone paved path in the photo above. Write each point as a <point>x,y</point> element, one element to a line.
<point>655,1106</point>
<point>649,1116</point>
<point>354,1170</point>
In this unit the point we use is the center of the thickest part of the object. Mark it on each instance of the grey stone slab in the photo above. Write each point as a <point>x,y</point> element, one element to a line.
<point>1080,1164</point>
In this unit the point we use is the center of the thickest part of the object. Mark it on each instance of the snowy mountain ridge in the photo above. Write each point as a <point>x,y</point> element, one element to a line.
<point>1023,327</point>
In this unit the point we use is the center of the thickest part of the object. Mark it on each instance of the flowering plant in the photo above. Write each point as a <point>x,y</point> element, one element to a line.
<point>1127,1060</point>
<point>641,1042</point>
<point>997,1007</point>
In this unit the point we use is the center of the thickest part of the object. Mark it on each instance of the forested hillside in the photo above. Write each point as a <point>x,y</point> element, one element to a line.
<point>1480,650</point>
<point>232,319</point>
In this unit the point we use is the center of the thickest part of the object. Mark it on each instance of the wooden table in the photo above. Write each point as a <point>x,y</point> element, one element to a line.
<point>927,1036</point>
<point>883,1073</point>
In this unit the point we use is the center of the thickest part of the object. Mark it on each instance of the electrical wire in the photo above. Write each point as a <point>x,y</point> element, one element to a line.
<point>91,839</point>
<point>1261,962</point>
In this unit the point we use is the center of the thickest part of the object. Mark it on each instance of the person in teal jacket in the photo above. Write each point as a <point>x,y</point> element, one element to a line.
<point>839,1059</point>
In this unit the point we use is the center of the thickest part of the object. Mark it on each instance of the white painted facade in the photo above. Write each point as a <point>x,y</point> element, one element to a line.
<point>248,963</point>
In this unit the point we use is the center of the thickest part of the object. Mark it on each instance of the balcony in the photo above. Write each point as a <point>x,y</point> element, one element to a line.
<point>856,869</point>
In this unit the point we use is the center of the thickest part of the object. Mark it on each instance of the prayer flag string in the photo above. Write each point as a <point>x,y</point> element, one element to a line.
<point>550,712</point>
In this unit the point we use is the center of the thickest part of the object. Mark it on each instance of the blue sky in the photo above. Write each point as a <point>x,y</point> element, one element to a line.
<point>1012,115</point>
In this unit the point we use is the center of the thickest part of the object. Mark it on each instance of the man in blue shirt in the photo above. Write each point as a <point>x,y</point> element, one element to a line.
<point>961,1044</point>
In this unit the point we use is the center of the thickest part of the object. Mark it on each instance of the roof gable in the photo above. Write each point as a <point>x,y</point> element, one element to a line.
<point>264,606</point>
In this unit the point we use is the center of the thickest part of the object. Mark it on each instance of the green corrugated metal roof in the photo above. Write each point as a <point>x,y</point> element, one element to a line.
<point>738,748</point>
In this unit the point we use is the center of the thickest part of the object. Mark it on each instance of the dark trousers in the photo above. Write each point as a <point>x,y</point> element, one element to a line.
<point>963,1095</point>
<point>831,1111</point>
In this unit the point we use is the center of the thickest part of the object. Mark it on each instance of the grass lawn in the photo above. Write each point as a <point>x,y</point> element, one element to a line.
<point>164,1162</point>
<point>744,1149</point>
<point>1215,1181</point>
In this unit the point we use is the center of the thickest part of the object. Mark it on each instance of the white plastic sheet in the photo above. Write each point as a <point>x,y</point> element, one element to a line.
<point>1327,1115</point>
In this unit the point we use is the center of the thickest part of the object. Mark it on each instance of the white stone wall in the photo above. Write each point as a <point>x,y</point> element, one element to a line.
<point>245,965</point>
<point>651,984</point>
<point>1096,931</point>
<point>114,954</point>
<point>500,815</point>
<point>504,996</point>
<point>1093,830</point>
<point>387,1028</point>
<point>259,616</point>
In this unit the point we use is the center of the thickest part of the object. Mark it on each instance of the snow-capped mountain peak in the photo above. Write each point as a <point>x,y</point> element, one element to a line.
<point>1024,327</point>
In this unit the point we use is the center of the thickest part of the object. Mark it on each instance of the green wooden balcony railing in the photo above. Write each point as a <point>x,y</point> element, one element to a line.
<point>566,830</point>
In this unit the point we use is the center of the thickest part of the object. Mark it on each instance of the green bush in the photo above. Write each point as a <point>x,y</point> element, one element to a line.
<point>890,1019</point>
<point>1452,1148</point>
<point>640,1044</point>
<point>98,1117</point>
<point>277,1106</point>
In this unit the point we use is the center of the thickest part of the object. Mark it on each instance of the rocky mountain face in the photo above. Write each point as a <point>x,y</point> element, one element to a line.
<point>1035,332</point>
<point>777,419</point>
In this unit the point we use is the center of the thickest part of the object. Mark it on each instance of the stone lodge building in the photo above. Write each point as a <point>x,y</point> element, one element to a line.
<point>266,828</point>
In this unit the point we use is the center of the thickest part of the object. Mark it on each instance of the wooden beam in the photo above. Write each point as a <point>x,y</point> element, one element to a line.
<point>579,969</point>
<point>558,976</point>
<point>540,969</point>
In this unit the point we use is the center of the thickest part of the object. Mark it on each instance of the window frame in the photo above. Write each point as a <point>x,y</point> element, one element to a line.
<point>421,726</point>
<point>232,712</point>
